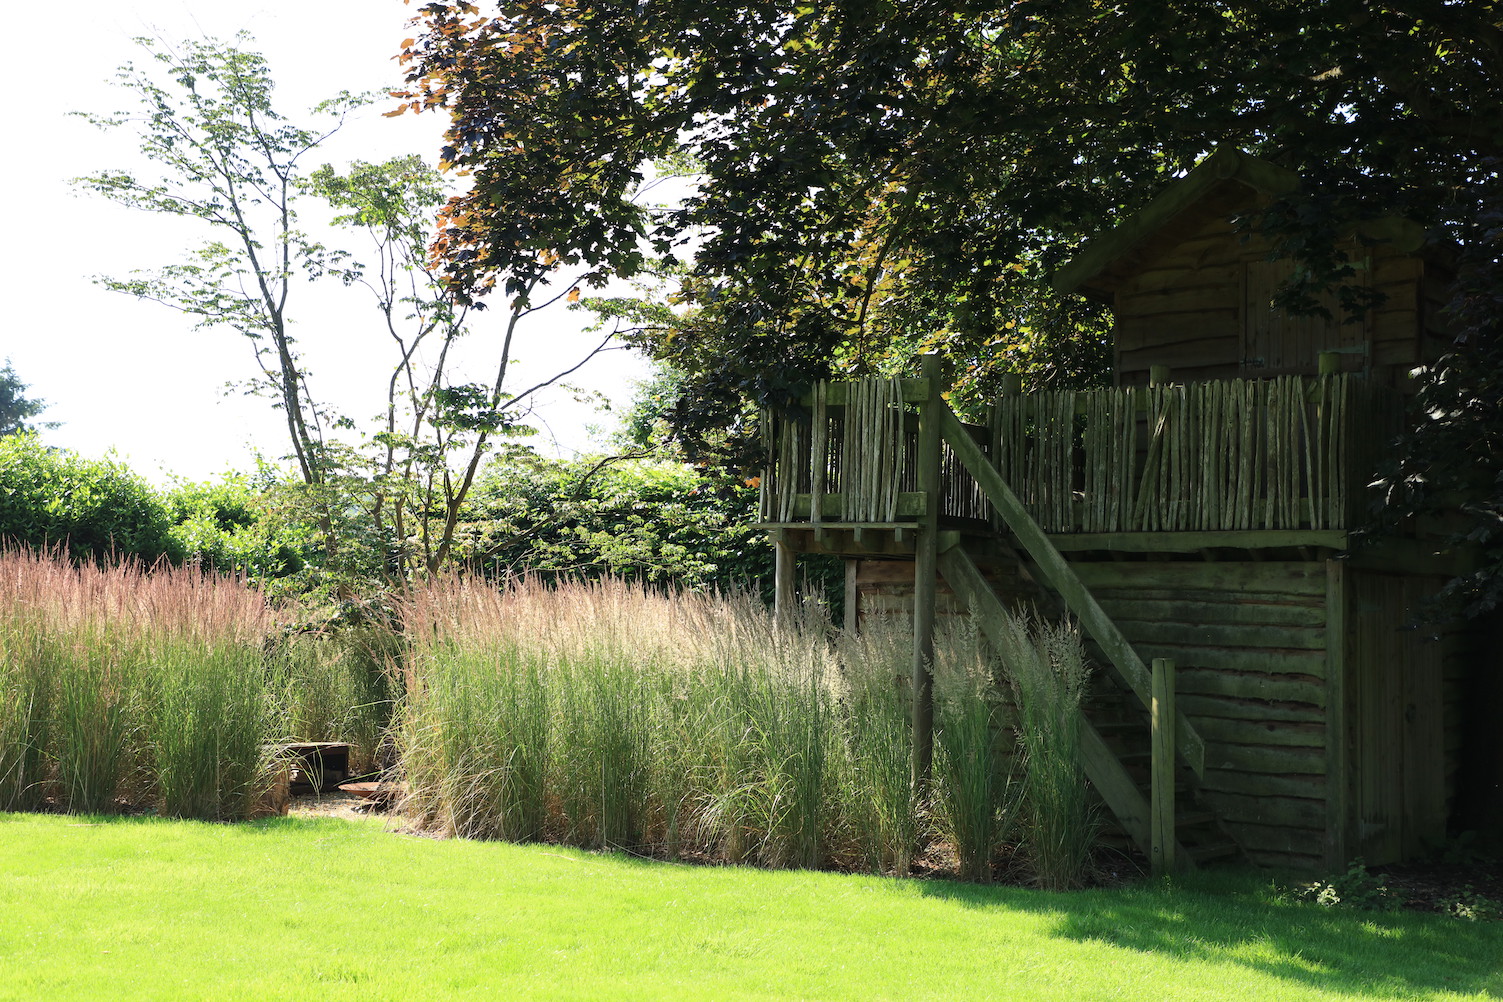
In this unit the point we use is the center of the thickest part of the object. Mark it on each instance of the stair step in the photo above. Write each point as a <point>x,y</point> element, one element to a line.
<point>1190,819</point>
<point>1212,850</point>
<point>1120,727</point>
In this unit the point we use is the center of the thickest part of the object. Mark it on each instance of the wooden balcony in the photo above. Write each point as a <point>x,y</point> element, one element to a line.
<point>1230,463</point>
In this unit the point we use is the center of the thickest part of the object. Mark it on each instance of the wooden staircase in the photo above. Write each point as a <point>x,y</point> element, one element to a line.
<point>1117,754</point>
<point>1141,755</point>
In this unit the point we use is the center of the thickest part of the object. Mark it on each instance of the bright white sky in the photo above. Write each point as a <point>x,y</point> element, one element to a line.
<point>136,377</point>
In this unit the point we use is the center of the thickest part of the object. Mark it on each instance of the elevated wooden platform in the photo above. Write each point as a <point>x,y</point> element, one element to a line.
<point>1309,725</point>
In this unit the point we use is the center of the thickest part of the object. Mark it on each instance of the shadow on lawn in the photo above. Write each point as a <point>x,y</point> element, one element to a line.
<point>1382,955</point>
<point>259,826</point>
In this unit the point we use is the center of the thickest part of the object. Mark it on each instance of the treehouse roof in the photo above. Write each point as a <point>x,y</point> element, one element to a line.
<point>1224,183</point>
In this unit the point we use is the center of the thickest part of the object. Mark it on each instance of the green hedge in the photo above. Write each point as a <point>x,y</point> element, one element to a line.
<point>93,507</point>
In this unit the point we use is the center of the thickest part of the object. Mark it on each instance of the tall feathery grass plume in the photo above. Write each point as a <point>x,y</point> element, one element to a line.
<point>976,784</point>
<point>1046,665</point>
<point>880,802</point>
<point>128,685</point>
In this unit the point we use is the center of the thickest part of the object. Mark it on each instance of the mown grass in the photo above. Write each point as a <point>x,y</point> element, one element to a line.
<point>288,908</point>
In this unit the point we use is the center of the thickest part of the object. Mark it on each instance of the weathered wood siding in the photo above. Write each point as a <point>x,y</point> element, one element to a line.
<point>884,588</point>
<point>1202,307</point>
<point>1248,641</point>
<point>1183,309</point>
<point>1395,718</point>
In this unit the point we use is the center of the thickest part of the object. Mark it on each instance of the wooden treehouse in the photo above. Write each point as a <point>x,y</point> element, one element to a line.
<point>1197,517</point>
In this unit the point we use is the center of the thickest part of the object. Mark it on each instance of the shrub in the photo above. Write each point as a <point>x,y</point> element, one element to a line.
<point>234,527</point>
<point>97,508</point>
<point>650,521</point>
<point>1356,888</point>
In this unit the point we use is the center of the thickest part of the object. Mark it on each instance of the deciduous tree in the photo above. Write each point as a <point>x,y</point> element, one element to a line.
<point>229,159</point>
<point>881,176</point>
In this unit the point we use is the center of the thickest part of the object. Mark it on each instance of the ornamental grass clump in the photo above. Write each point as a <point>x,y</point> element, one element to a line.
<point>607,714</point>
<point>342,686</point>
<point>474,738</point>
<point>878,793</point>
<point>976,786</point>
<point>94,727</point>
<point>26,668</point>
<point>778,802</point>
<point>611,715</point>
<point>1046,666</point>
<point>127,687</point>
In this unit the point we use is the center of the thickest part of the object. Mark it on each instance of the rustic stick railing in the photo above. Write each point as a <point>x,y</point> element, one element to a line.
<point>1291,453</point>
<point>1235,454</point>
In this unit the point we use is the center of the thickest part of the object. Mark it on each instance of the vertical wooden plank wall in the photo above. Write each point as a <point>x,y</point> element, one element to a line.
<point>1395,718</point>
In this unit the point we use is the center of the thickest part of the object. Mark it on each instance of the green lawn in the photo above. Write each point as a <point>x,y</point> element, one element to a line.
<point>327,909</point>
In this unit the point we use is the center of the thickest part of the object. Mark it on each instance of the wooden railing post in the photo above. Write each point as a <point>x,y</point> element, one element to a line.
<point>925,573</point>
<point>1161,798</point>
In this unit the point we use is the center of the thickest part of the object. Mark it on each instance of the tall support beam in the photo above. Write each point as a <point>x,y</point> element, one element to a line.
<point>782,580</point>
<point>925,573</point>
<point>1161,796</point>
<point>1339,837</point>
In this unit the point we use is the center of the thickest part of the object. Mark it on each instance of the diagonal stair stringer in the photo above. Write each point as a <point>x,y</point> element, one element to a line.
<point>1058,575</point>
<point>1102,767</point>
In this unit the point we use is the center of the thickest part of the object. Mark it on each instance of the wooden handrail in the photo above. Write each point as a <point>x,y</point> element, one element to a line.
<point>1060,576</point>
<point>1102,767</point>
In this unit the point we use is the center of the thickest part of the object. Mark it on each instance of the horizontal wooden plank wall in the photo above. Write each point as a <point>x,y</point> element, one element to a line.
<point>1201,307</point>
<point>1248,639</point>
<point>884,588</point>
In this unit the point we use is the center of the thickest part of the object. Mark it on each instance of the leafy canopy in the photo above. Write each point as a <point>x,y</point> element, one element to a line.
<point>880,178</point>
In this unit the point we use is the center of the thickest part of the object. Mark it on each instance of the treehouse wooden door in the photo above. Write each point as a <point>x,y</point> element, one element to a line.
<point>1274,342</point>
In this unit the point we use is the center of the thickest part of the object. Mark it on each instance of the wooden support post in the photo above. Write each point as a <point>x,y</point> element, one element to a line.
<point>1158,375</point>
<point>1161,809</point>
<point>925,575</point>
<point>852,613</point>
<point>1339,836</point>
<point>782,581</point>
<point>1328,363</point>
<point>1012,384</point>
